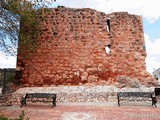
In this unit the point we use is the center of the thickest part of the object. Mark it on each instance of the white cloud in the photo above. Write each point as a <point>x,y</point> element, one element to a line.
<point>7,61</point>
<point>153,54</point>
<point>152,46</point>
<point>147,8</point>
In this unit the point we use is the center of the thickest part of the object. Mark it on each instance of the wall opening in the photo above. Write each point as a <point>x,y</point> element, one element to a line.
<point>108,25</point>
<point>107,49</point>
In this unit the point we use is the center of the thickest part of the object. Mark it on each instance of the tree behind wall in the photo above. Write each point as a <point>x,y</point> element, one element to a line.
<point>11,13</point>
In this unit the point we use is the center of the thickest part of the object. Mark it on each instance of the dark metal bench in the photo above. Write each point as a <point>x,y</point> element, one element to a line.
<point>157,91</point>
<point>133,96</point>
<point>39,97</point>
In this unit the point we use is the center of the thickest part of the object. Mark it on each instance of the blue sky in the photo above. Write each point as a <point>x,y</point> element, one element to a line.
<point>152,29</point>
<point>148,9</point>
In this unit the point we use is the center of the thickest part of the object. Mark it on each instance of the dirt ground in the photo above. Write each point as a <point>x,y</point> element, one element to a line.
<point>90,111</point>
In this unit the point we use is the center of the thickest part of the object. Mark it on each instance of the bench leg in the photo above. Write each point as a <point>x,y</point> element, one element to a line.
<point>118,101</point>
<point>23,101</point>
<point>154,101</point>
<point>53,103</point>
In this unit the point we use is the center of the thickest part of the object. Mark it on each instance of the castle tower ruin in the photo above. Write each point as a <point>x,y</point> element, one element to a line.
<point>86,46</point>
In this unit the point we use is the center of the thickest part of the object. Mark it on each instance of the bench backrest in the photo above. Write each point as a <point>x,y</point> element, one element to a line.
<point>40,95</point>
<point>135,94</point>
<point>157,91</point>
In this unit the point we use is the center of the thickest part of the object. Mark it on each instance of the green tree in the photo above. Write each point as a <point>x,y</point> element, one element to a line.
<point>13,13</point>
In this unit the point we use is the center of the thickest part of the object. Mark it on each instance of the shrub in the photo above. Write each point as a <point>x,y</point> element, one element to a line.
<point>21,117</point>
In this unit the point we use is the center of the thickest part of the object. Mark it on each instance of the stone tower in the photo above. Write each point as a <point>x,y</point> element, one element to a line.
<point>86,46</point>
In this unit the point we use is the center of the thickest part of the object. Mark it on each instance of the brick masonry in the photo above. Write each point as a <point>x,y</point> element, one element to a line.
<point>72,50</point>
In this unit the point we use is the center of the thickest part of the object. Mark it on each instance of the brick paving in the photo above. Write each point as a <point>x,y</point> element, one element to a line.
<point>84,112</point>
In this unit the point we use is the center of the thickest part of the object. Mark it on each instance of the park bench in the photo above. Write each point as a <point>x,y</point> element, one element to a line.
<point>39,97</point>
<point>137,96</point>
<point>157,91</point>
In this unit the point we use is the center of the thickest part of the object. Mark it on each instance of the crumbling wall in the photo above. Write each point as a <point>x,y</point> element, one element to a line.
<point>81,46</point>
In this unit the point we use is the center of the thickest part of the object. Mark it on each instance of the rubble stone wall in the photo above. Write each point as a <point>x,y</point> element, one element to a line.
<point>75,94</point>
<point>73,49</point>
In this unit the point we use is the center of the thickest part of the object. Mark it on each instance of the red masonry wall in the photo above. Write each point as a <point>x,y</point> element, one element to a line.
<point>73,49</point>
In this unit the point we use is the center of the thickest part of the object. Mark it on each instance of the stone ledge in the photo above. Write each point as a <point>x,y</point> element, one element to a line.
<point>77,94</point>
<point>81,89</point>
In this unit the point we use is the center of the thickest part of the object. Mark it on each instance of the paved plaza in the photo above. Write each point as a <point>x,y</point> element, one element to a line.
<point>84,111</point>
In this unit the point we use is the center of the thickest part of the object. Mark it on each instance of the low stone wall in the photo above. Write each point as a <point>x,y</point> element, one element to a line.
<point>77,94</point>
